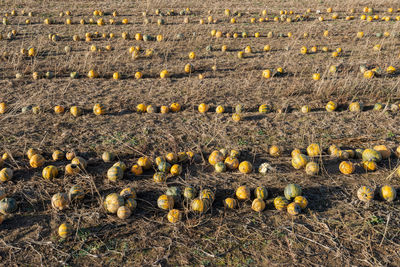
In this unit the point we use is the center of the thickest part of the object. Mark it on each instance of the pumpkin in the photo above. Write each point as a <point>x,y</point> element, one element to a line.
<point>120,164</point>
<point>3,108</point>
<point>258,205</point>
<point>280,203</point>
<point>369,165</point>
<point>295,152</point>
<point>141,108</point>
<point>131,203</point>
<point>164,74</point>
<point>72,169</point>
<point>358,153</point>
<point>243,192</point>
<point>292,190</point>
<point>264,168</point>
<point>261,192</point>
<point>275,151</point>
<point>174,216</point>
<point>220,110</point>
<point>107,156</point>
<point>159,177</point>
<point>371,155</point>
<point>266,74</point>
<point>112,202</point>
<point>65,230</point>
<point>76,192</point>
<point>175,107</point>
<point>124,212</point>
<point>159,160</point>
<point>59,109</point>
<point>355,107</point>
<point>92,73</point>
<point>128,192</point>
<point>313,150</point>
<point>59,201</point>
<point>236,117</point>
<point>388,193</point>
<point>176,170</point>
<point>115,173</point>
<point>164,167</point>
<point>37,161</point>
<point>31,152</point>
<point>144,162</point>
<point>70,155</point>
<point>174,192</point>
<point>172,158</point>
<point>164,109</point>
<point>8,205</point>
<point>294,209</point>
<point>207,194</point>
<point>199,205</point>
<point>6,174</point>
<point>384,151</point>
<point>58,155</point>
<point>50,172</point>
<point>81,162</point>
<point>189,192</point>
<point>365,193</point>
<point>239,108</point>
<point>215,156</point>
<point>342,154</point>
<point>5,156</point>
<point>203,108</point>
<point>165,202</point>
<point>331,106</point>
<point>151,109</point>
<point>346,167</point>
<point>245,167</point>
<point>312,168</point>
<point>220,167</point>
<point>230,203</point>
<point>305,109</point>
<point>301,201</point>
<point>99,109</point>
<point>299,161</point>
<point>75,111</point>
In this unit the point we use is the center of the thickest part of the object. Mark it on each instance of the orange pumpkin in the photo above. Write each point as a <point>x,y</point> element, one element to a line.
<point>384,150</point>
<point>245,167</point>
<point>215,156</point>
<point>275,151</point>
<point>346,167</point>
<point>232,163</point>
<point>59,109</point>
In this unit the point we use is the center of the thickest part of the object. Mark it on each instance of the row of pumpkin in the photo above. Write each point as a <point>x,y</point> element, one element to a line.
<point>99,109</point>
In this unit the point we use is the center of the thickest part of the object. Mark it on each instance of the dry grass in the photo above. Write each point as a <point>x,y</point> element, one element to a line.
<point>336,229</point>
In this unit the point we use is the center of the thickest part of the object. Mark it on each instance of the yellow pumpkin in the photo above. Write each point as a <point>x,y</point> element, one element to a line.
<point>128,192</point>
<point>207,194</point>
<point>299,161</point>
<point>346,167</point>
<point>231,163</point>
<point>70,155</point>
<point>243,192</point>
<point>245,167</point>
<point>199,205</point>
<point>384,150</point>
<point>99,109</point>
<point>144,162</point>
<point>365,193</point>
<point>80,162</point>
<point>189,68</point>
<point>31,152</point>
<point>203,108</point>
<point>65,230</point>
<point>164,74</point>
<point>275,151</point>
<point>57,155</point>
<point>176,170</point>
<point>165,202</point>
<point>75,111</point>
<point>59,201</point>
<point>258,205</point>
<point>174,216</point>
<point>36,161</point>
<point>50,172</point>
<point>313,150</point>
<point>236,117</point>
<point>115,173</point>
<point>281,203</point>
<point>124,212</point>
<point>175,107</point>
<point>388,193</point>
<point>120,164</point>
<point>230,203</point>
<point>295,152</point>
<point>301,201</point>
<point>294,209</point>
<point>112,202</point>
<point>6,174</point>
<point>369,165</point>
<point>312,168</point>
<point>172,158</point>
<point>215,157</point>
<point>331,106</point>
<point>107,156</point>
<point>59,109</point>
<point>72,169</point>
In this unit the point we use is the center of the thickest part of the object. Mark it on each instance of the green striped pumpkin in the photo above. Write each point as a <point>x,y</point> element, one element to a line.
<point>261,192</point>
<point>115,173</point>
<point>281,203</point>
<point>291,191</point>
<point>76,192</point>
<point>164,167</point>
<point>264,109</point>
